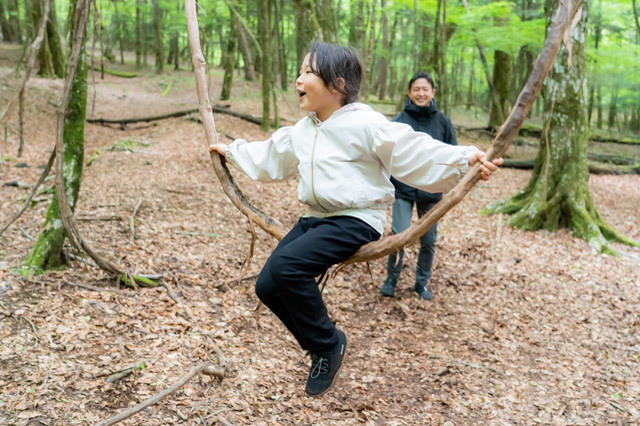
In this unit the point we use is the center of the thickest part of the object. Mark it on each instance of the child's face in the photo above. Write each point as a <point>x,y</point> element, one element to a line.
<point>313,95</point>
<point>421,92</point>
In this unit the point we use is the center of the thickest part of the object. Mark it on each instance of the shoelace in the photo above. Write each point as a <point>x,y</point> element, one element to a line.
<point>319,365</point>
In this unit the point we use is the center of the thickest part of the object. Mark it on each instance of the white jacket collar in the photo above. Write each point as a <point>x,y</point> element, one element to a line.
<point>354,106</point>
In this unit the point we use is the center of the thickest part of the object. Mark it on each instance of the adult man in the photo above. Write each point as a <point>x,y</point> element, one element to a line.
<point>422,114</point>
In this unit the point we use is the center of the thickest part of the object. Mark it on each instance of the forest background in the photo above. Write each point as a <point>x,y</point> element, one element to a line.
<point>140,69</point>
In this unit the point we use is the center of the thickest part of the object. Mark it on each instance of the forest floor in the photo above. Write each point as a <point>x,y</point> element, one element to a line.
<point>524,328</point>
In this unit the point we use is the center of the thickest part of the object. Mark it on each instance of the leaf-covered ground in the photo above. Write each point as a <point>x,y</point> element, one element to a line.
<point>525,328</point>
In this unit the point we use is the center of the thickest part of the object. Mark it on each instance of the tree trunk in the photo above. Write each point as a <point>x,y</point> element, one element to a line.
<point>44,56</point>
<point>265,44</point>
<point>613,108</point>
<point>357,29</point>
<point>384,56</point>
<point>5,27</point>
<point>368,59</point>
<point>282,57</point>
<point>558,193</point>
<point>55,42</point>
<point>502,76</point>
<point>307,27</point>
<point>230,61</point>
<point>47,251</point>
<point>157,30</point>
<point>247,57</point>
<point>327,16</point>
<point>444,90</point>
<point>471,77</point>
<point>139,36</point>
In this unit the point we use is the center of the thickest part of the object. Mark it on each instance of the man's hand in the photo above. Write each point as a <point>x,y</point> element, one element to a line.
<point>486,167</point>
<point>220,148</point>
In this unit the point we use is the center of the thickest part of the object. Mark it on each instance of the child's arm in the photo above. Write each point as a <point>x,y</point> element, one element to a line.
<point>268,160</point>
<point>417,159</point>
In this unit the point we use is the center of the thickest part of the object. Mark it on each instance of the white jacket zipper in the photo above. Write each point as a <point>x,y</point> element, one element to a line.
<point>313,152</point>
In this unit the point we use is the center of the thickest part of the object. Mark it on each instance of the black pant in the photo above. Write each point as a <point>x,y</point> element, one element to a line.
<point>287,282</point>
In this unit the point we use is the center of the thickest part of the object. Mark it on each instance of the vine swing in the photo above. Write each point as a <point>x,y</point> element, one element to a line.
<point>566,13</point>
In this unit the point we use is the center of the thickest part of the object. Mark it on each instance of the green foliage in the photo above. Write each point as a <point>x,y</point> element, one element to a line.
<point>497,26</point>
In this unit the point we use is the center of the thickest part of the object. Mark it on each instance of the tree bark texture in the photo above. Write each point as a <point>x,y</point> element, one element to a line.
<point>230,59</point>
<point>502,76</point>
<point>157,30</point>
<point>139,34</point>
<point>327,16</point>
<point>265,44</point>
<point>307,27</point>
<point>557,194</point>
<point>384,56</point>
<point>47,251</point>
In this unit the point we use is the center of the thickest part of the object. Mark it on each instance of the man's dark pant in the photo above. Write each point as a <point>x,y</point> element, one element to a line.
<point>287,282</point>
<point>402,210</point>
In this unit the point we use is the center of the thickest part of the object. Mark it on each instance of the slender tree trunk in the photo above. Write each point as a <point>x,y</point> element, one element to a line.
<point>613,108</point>
<point>265,44</point>
<point>558,193</point>
<point>5,27</point>
<point>471,78</point>
<point>307,27</point>
<point>357,28</point>
<point>44,56</point>
<point>230,65</point>
<point>157,30</point>
<point>384,57</point>
<point>247,57</point>
<point>139,34</point>
<point>279,27</point>
<point>47,251</point>
<point>368,59</point>
<point>327,16</point>
<point>599,106</point>
<point>444,89</point>
<point>502,75</point>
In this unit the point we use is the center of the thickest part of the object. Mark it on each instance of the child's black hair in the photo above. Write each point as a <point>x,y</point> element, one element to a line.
<point>420,75</point>
<point>331,62</point>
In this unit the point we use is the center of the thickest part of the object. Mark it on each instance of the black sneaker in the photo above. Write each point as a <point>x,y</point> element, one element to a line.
<point>325,368</point>
<point>423,292</point>
<point>388,289</point>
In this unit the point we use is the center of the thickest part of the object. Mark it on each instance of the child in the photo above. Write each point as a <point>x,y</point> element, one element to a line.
<point>344,153</point>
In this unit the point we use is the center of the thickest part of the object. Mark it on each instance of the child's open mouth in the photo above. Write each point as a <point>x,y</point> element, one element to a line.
<point>301,95</point>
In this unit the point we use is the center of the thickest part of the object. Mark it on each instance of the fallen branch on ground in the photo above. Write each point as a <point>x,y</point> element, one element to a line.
<point>202,368</point>
<point>218,109</point>
<point>593,169</point>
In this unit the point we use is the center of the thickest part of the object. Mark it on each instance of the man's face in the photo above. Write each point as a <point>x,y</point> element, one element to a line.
<point>421,92</point>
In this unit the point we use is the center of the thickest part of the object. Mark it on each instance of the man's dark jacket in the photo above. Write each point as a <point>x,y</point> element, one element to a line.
<point>430,120</point>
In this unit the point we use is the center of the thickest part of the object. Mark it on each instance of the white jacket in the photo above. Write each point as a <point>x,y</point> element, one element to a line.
<point>344,163</point>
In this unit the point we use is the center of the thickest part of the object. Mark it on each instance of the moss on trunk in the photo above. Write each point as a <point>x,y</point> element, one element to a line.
<point>557,194</point>
<point>47,251</point>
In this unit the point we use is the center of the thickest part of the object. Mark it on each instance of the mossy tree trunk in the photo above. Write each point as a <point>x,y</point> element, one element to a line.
<point>55,42</point>
<point>557,194</point>
<point>47,251</point>
<point>307,27</point>
<point>230,58</point>
<point>502,76</point>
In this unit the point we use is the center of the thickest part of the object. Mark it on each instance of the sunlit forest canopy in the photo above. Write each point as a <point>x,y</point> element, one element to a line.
<point>395,38</point>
